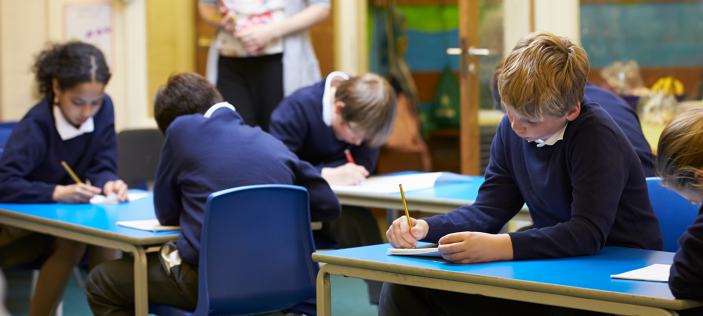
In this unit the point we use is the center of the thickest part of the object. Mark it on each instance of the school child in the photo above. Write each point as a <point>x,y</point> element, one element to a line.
<point>680,164</point>
<point>318,123</point>
<point>560,154</point>
<point>73,123</point>
<point>208,148</point>
<point>624,116</point>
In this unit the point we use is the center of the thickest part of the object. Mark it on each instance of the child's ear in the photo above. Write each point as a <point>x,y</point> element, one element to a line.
<point>55,86</point>
<point>338,106</point>
<point>574,112</point>
<point>698,174</point>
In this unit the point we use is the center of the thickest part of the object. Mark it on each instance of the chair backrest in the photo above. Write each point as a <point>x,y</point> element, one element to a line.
<point>673,211</point>
<point>5,131</point>
<point>255,250</point>
<point>138,156</point>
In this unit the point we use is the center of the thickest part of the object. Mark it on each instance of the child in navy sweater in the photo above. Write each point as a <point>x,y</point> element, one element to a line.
<point>73,123</point>
<point>208,148</point>
<point>318,123</point>
<point>624,116</point>
<point>680,163</point>
<point>561,155</point>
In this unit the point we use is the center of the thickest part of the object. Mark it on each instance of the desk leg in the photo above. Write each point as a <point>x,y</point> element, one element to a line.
<point>141,292</point>
<point>391,215</point>
<point>324,295</point>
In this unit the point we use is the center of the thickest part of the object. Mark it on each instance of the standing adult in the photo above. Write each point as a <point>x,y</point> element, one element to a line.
<point>261,51</point>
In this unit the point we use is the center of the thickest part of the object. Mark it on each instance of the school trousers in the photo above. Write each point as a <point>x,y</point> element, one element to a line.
<point>397,299</point>
<point>110,286</point>
<point>356,227</point>
<point>253,85</point>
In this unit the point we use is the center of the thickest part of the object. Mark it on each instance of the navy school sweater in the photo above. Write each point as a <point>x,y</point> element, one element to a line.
<point>204,155</point>
<point>686,276</point>
<point>626,118</point>
<point>30,166</point>
<point>298,123</point>
<point>585,192</point>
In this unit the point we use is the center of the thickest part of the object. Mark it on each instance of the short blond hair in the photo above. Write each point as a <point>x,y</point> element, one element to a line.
<point>680,151</point>
<point>544,74</point>
<point>369,105</point>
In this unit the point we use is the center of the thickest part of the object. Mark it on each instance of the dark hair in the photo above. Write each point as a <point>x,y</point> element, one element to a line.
<point>186,93</point>
<point>70,64</point>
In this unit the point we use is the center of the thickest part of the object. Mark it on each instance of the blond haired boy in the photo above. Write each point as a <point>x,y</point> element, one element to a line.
<point>318,123</point>
<point>561,155</point>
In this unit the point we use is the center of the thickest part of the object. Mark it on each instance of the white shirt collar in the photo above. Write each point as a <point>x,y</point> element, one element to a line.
<point>552,140</point>
<point>327,114</point>
<point>217,106</point>
<point>66,129</point>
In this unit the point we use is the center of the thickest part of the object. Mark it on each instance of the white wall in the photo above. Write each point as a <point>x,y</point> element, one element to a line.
<point>27,25</point>
<point>560,17</point>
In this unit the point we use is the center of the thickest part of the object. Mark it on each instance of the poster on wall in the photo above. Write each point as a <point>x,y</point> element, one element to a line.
<point>90,23</point>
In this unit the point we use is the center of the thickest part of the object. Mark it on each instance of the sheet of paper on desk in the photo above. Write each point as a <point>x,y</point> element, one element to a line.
<point>425,251</point>
<point>147,224</point>
<point>655,272</point>
<point>112,198</point>
<point>389,184</point>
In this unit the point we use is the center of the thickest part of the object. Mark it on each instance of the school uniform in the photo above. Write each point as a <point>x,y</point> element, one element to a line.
<point>686,276</point>
<point>585,190</point>
<point>30,166</point>
<point>203,154</point>
<point>626,118</point>
<point>303,122</point>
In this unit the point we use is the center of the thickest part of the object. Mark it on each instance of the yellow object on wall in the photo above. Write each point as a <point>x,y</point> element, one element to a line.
<point>171,41</point>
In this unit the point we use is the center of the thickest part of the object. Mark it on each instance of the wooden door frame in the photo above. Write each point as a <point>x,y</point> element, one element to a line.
<point>469,88</point>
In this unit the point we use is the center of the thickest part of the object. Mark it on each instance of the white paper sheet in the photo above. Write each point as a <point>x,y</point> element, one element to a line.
<point>389,184</point>
<point>112,198</point>
<point>147,224</point>
<point>426,251</point>
<point>655,272</point>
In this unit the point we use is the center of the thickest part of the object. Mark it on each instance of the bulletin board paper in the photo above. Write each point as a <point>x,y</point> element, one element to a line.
<point>92,24</point>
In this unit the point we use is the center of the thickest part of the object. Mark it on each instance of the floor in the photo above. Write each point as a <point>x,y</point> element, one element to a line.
<point>349,296</point>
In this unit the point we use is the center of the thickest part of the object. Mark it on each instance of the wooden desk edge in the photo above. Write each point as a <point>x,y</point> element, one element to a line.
<point>18,219</point>
<point>508,283</point>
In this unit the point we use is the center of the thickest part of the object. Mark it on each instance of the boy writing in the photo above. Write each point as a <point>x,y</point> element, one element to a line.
<point>208,148</point>
<point>559,153</point>
<point>318,123</point>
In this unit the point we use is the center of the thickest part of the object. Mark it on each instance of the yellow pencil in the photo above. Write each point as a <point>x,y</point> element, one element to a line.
<point>407,215</point>
<point>73,174</point>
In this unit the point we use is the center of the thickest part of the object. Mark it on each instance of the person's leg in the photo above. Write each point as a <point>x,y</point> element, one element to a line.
<point>399,299</point>
<point>268,88</point>
<point>98,255</point>
<point>233,84</point>
<point>110,286</point>
<point>54,275</point>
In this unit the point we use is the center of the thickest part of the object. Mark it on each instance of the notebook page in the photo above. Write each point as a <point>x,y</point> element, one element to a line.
<point>389,184</point>
<point>655,272</point>
<point>148,225</point>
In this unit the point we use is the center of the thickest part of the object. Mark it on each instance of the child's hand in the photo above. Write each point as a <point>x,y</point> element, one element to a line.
<point>347,174</point>
<point>118,187</point>
<point>74,193</point>
<point>256,37</point>
<point>402,236</point>
<point>473,247</point>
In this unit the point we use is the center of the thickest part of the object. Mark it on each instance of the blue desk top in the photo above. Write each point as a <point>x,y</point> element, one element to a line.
<point>466,190</point>
<point>587,276</point>
<point>98,219</point>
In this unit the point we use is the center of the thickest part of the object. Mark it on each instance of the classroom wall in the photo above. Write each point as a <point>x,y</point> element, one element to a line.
<point>25,28</point>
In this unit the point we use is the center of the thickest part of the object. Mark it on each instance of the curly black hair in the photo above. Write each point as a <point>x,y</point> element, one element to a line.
<point>70,64</point>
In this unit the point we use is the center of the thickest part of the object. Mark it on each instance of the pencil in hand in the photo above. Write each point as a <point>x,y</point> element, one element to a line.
<point>70,172</point>
<point>407,214</point>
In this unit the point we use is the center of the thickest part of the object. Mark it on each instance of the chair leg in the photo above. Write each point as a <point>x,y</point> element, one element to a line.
<point>35,277</point>
<point>79,278</point>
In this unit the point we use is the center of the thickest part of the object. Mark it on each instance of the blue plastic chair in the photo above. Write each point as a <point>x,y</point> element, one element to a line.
<point>673,211</point>
<point>255,252</point>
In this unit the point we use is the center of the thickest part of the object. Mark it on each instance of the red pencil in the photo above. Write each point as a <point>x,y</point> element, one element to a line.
<point>349,156</point>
